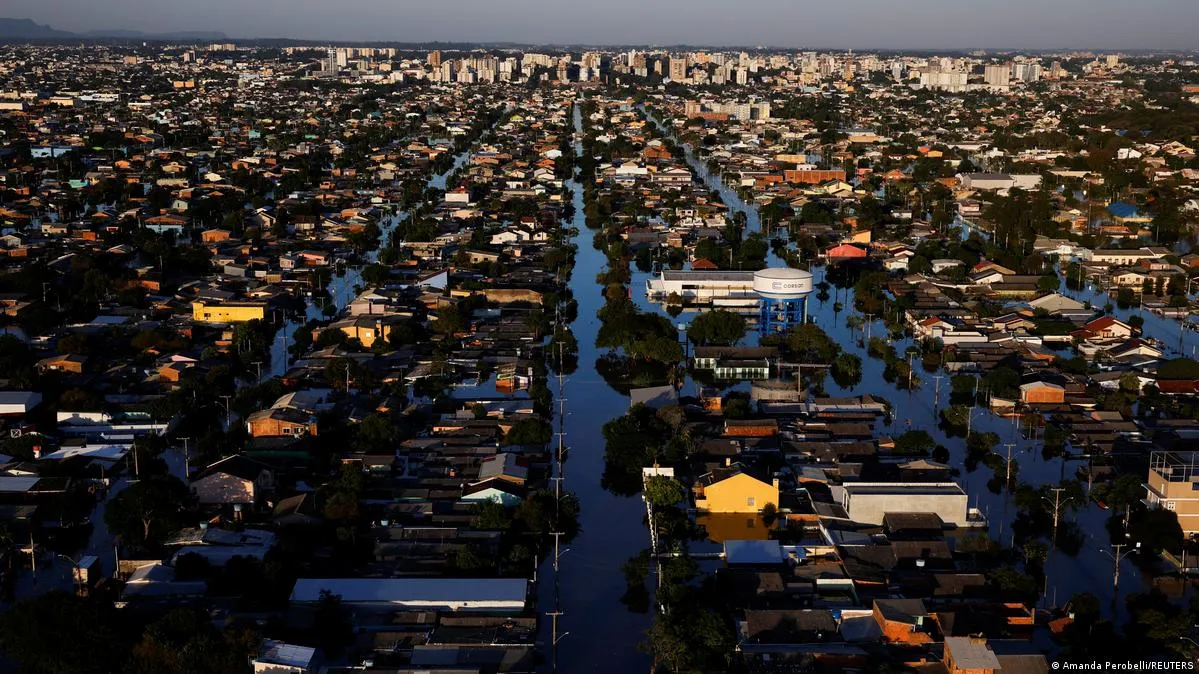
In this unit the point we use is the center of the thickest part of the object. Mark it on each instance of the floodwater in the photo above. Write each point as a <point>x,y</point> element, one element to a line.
<point>603,634</point>
<point>1092,569</point>
<point>342,284</point>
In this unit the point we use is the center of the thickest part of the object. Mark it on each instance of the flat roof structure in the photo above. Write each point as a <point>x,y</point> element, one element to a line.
<point>456,594</point>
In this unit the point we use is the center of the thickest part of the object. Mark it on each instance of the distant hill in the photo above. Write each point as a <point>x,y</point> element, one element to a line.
<point>25,29</point>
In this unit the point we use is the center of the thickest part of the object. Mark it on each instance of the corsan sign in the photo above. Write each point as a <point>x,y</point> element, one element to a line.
<point>794,285</point>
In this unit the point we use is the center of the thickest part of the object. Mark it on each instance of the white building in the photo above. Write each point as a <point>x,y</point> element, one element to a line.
<point>868,502</point>
<point>701,285</point>
<point>997,75</point>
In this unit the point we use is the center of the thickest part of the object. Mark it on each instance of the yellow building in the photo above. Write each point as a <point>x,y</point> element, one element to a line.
<point>228,312</point>
<point>729,490</point>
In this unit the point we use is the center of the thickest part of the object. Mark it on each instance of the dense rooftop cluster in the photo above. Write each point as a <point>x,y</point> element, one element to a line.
<point>299,344</point>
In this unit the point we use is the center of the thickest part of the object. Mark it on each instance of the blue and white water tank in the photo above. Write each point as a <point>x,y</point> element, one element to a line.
<point>784,298</point>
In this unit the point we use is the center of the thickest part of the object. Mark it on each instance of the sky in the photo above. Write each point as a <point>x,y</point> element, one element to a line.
<point>861,24</point>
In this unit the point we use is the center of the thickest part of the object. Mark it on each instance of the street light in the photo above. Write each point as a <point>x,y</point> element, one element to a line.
<point>74,572</point>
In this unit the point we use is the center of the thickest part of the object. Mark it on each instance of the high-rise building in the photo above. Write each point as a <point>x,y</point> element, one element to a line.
<point>1028,72</point>
<point>1112,60</point>
<point>331,61</point>
<point>678,68</point>
<point>434,59</point>
<point>997,75</point>
<point>945,81</point>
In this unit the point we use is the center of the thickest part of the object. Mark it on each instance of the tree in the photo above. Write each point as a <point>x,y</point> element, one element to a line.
<point>1048,283</point>
<point>529,432</point>
<point>719,327</point>
<point>332,628</point>
<point>1179,368</point>
<point>847,370</point>
<point>663,492</point>
<point>1002,382</point>
<point>59,633</point>
<point>1013,583</point>
<point>491,516</point>
<point>1126,490</point>
<point>1156,529</point>
<point>1124,297</point>
<point>185,641</point>
<point>147,510</point>
<point>915,442</point>
<point>375,433</point>
<point>809,343</point>
<point>710,250</point>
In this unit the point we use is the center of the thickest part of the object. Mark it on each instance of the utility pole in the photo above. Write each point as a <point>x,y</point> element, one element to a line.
<point>1057,510</point>
<point>560,476</point>
<point>937,393</point>
<point>1008,483</point>
<point>911,358</point>
<point>557,549</point>
<point>187,466</point>
<point>1117,555</point>
<point>554,636</point>
<point>258,364</point>
<point>227,413</point>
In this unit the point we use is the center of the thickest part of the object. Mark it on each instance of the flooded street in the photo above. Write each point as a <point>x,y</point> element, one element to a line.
<point>602,632</point>
<point>1091,570</point>
<point>341,285</point>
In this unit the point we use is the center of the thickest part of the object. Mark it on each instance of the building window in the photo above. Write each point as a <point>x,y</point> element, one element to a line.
<point>1169,505</point>
<point>751,502</point>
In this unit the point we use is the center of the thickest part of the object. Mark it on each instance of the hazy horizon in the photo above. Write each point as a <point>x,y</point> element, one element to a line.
<point>869,24</point>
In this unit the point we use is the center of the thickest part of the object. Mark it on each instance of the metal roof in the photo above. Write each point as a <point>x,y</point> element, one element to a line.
<point>492,592</point>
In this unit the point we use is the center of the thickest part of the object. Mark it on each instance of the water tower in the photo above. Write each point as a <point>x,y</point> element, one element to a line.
<point>784,298</point>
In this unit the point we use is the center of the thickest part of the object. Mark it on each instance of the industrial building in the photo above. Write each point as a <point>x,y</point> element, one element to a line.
<point>776,297</point>
<point>702,287</point>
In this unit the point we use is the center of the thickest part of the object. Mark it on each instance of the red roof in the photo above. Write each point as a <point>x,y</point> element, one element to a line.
<point>1178,386</point>
<point>1104,322</point>
<point>844,250</point>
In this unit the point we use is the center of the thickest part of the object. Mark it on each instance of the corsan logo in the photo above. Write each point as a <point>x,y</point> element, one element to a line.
<point>777,285</point>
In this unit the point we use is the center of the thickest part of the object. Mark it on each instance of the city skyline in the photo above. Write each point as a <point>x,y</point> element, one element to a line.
<point>922,24</point>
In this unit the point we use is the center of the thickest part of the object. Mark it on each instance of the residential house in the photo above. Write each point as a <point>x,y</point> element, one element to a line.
<point>236,480</point>
<point>732,490</point>
<point>280,422</point>
<point>1042,393</point>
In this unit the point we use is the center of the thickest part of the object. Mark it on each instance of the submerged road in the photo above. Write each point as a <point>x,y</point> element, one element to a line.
<point>602,634</point>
